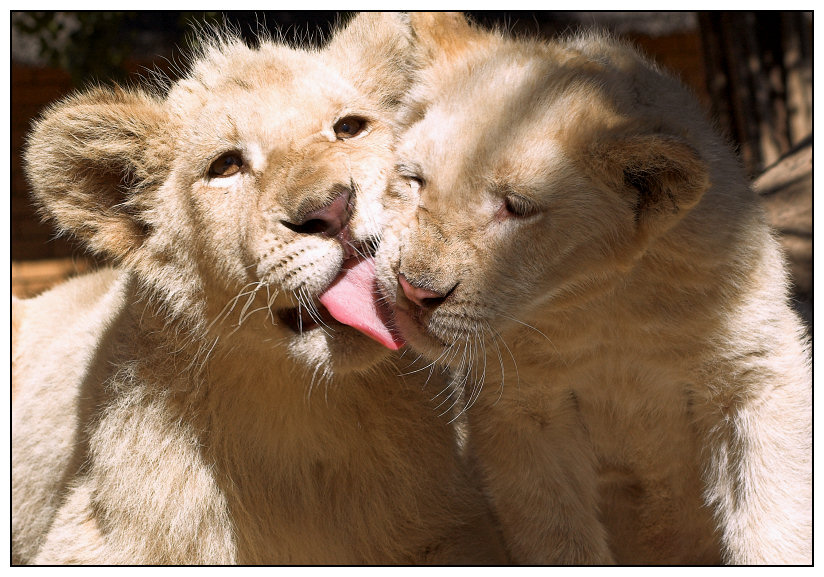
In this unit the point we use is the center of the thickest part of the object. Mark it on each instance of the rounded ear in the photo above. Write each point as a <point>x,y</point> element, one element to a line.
<point>88,157</point>
<point>379,51</point>
<point>662,177</point>
<point>373,51</point>
<point>442,35</point>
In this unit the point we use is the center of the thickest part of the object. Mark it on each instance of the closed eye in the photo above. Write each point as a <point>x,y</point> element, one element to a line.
<point>414,183</point>
<point>517,206</point>
<point>411,174</point>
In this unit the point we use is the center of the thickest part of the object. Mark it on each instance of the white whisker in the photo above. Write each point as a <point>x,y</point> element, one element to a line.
<point>270,300</point>
<point>478,382</point>
<point>230,305</point>
<point>500,361</point>
<point>311,308</point>
<point>514,361</point>
<point>251,299</point>
<point>529,326</point>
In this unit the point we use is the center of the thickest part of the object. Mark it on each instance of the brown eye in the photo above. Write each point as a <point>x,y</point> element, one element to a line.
<point>519,207</point>
<point>226,165</point>
<point>349,126</point>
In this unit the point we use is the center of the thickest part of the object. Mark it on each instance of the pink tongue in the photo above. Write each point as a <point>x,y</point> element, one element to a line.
<point>351,300</point>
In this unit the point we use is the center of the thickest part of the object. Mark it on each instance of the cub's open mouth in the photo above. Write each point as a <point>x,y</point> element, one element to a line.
<point>352,300</point>
<point>301,320</point>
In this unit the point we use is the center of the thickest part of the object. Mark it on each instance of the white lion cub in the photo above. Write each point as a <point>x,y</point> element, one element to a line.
<point>198,403</point>
<point>585,253</point>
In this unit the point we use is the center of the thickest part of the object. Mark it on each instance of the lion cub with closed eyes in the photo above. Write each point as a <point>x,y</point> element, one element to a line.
<point>583,250</point>
<point>200,403</point>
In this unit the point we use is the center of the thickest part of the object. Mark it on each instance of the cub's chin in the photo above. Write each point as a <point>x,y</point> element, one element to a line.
<point>335,349</point>
<point>418,336</point>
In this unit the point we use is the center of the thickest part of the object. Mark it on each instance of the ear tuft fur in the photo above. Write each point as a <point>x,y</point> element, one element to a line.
<point>374,51</point>
<point>87,159</point>
<point>443,34</point>
<point>664,176</point>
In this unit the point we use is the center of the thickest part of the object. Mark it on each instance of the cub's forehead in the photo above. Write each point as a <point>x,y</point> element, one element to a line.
<point>241,80</point>
<point>233,59</point>
<point>506,111</point>
<point>485,130</point>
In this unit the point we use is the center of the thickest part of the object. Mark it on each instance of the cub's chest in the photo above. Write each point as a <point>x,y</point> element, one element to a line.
<point>630,424</point>
<point>645,457</point>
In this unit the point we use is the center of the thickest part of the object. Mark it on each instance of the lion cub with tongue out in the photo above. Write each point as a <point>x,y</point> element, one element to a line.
<point>196,404</point>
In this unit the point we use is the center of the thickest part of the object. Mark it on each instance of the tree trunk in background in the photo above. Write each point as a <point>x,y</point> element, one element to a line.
<point>759,76</point>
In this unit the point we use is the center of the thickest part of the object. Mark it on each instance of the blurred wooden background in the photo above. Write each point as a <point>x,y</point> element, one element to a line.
<point>751,70</point>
